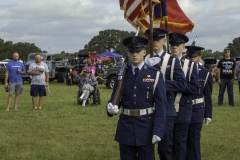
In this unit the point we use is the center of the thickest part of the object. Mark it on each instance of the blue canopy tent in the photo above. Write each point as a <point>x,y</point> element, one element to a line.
<point>115,56</point>
<point>108,54</point>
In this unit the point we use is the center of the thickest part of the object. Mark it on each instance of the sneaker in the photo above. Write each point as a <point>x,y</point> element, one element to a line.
<point>7,109</point>
<point>35,107</point>
<point>40,107</point>
<point>15,109</point>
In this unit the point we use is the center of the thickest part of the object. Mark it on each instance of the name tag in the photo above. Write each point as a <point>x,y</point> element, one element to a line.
<point>148,80</point>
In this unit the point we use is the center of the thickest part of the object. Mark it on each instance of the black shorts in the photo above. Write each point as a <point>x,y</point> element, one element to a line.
<point>38,90</point>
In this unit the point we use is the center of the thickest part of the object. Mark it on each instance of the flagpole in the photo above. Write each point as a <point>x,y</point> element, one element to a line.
<point>166,27</point>
<point>151,28</point>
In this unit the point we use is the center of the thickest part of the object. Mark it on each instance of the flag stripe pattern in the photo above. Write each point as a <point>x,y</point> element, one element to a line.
<point>136,12</point>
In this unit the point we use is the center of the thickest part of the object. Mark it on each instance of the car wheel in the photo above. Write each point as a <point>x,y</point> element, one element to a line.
<point>111,82</point>
<point>59,79</point>
<point>64,78</point>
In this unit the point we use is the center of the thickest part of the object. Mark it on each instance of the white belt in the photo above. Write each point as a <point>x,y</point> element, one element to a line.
<point>137,112</point>
<point>197,101</point>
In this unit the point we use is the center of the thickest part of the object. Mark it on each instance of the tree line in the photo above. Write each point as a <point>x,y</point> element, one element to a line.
<point>106,40</point>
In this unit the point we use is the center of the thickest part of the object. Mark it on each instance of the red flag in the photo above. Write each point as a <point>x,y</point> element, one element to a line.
<point>169,11</point>
<point>177,20</point>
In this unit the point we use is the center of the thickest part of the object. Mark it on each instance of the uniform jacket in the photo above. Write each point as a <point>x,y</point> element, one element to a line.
<point>201,110</point>
<point>185,107</point>
<point>138,94</point>
<point>177,85</point>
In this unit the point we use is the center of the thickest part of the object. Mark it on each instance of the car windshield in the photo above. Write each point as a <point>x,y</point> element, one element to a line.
<point>31,57</point>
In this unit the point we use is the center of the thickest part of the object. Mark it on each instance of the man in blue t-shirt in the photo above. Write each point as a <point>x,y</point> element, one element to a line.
<point>14,71</point>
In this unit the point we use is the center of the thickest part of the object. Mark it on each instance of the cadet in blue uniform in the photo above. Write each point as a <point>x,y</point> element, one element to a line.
<point>175,82</point>
<point>183,99</point>
<point>140,125</point>
<point>201,108</point>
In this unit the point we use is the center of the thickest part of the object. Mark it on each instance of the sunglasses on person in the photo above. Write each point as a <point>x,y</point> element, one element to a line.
<point>86,72</point>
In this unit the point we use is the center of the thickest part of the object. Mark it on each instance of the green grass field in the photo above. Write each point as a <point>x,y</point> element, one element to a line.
<point>63,130</point>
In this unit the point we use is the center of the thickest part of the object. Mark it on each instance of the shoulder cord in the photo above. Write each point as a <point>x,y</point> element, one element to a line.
<point>164,65</point>
<point>179,94</point>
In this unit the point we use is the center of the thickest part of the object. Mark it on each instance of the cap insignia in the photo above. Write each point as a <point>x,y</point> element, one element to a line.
<point>134,40</point>
<point>174,35</point>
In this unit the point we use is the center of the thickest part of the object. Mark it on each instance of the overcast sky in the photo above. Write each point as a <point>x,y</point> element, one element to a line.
<point>67,25</point>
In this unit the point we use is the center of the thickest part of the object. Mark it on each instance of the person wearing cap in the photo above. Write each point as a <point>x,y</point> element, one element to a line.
<point>175,82</point>
<point>143,105</point>
<point>201,108</point>
<point>183,99</point>
<point>86,82</point>
<point>226,76</point>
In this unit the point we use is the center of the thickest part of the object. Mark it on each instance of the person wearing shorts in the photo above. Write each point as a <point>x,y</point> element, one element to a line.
<point>14,71</point>
<point>40,80</point>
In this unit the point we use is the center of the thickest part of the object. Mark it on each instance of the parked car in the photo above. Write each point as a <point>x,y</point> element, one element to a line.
<point>109,76</point>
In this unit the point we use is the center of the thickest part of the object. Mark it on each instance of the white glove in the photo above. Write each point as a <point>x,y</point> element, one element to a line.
<point>208,120</point>
<point>155,139</point>
<point>112,109</point>
<point>152,61</point>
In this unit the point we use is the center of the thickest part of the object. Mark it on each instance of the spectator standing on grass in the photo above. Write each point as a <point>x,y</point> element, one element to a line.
<point>226,76</point>
<point>140,125</point>
<point>14,71</point>
<point>40,80</point>
<point>86,83</point>
<point>201,105</point>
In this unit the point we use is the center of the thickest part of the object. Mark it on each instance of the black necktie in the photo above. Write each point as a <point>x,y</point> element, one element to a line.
<point>136,70</point>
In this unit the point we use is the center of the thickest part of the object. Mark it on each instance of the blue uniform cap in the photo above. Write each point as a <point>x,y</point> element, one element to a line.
<point>158,33</point>
<point>175,37</point>
<point>135,43</point>
<point>193,51</point>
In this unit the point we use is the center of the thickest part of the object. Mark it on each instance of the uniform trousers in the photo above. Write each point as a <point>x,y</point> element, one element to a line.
<point>193,142</point>
<point>128,152</point>
<point>166,143</point>
<point>180,134</point>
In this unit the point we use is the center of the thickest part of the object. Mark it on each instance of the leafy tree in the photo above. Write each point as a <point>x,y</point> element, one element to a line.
<point>217,55</point>
<point>23,49</point>
<point>5,48</point>
<point>107,40</point>
<point>235,47</point>
<point>207,53</point>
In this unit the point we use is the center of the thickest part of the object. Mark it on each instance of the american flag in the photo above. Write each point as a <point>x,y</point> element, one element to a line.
<point>137,13</point>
